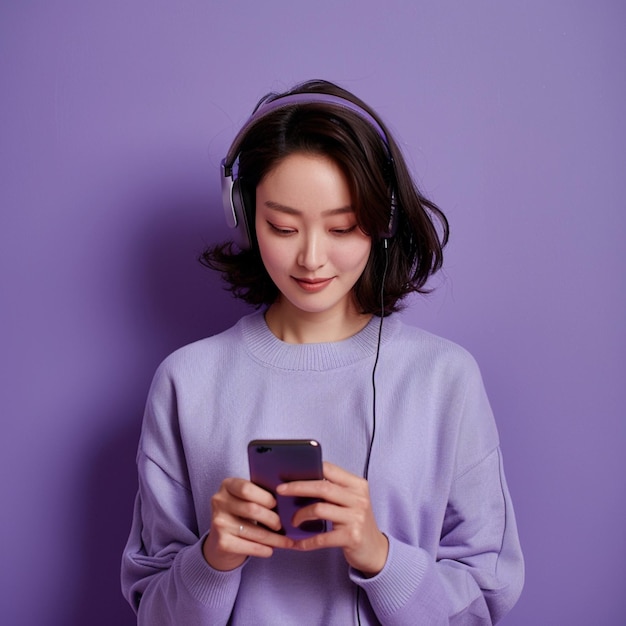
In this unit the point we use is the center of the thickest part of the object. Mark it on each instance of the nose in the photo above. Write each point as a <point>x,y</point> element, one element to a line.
<point>312,254</point>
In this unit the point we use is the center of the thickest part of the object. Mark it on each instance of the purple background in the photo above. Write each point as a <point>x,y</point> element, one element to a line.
<point>113,119</point>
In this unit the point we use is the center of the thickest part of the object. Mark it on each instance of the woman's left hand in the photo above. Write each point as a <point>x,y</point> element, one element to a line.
<point>345,501</point>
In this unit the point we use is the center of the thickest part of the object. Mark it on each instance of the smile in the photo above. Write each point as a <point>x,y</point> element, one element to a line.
<point>312,285</point>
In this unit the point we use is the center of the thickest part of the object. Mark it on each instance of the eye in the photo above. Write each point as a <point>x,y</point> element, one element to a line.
<point>344,231</point>
<point>280,230</point>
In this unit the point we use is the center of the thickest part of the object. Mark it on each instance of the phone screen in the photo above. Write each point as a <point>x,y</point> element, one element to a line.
<point>277,461</point>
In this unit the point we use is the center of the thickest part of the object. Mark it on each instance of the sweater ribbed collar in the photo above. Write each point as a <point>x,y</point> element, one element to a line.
<point>264,346</point>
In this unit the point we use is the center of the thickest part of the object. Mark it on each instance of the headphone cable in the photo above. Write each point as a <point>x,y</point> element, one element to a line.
<point>380,333</point>
<point>371,443</point>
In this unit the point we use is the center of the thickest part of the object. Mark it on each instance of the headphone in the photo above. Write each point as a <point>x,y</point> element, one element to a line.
<point>237,209</point>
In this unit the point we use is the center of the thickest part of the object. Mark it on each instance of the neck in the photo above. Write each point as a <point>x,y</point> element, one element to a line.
<point>294,326</point>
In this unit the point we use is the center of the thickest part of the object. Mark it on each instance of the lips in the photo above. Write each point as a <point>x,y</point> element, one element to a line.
<point>312,285</point>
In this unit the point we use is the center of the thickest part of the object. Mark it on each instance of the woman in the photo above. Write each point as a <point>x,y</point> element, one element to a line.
<point>332,234</point>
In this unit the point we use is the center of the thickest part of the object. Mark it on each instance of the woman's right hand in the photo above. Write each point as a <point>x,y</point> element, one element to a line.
<point>239,507</point>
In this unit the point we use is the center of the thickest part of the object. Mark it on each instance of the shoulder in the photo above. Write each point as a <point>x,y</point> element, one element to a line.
<point>448,376</point>
<point>430,351</point>
<point>207,354</point>
<point>431,364</point>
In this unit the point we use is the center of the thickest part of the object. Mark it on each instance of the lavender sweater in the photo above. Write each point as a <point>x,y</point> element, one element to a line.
<point>436,481</point>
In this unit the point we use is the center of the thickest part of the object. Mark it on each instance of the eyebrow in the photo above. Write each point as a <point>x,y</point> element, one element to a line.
<point>276,206</point>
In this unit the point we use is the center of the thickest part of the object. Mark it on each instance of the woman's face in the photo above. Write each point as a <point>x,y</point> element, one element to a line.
<point>308,236</point>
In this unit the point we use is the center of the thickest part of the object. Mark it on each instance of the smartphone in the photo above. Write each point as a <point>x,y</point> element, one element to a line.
<point>277,461</point>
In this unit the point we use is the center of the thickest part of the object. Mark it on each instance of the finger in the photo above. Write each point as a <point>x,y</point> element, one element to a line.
<point>243,499</point>
<point>231,541</point>
<point>330,539</point>
<point>337,515</point>
<point>233,534</point>
<point>247,490</point>
<point>252,533</point>
<point>333,475</point>
<point>237,509</point>
<point>319,490</point>
<point>340,476</point>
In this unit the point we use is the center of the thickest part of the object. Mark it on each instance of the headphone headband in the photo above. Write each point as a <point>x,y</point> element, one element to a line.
<point>232,198</point>
<point>268,106</point>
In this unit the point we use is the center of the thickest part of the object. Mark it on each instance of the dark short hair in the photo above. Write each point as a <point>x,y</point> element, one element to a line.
<point>372,170</point>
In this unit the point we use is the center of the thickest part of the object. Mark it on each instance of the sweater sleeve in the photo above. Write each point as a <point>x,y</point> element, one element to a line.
<point>477,575</point>
<point>474,574</point>
<point>165,577</point>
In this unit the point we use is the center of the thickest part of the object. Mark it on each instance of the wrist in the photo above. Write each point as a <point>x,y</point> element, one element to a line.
<point>380,558</point>
<point>221,562</point>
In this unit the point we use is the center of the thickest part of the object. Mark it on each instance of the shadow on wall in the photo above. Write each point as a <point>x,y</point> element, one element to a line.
<point>169,300</point>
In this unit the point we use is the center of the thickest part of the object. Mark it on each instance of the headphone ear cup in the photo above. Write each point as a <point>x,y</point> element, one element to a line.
<point>244,211</point>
